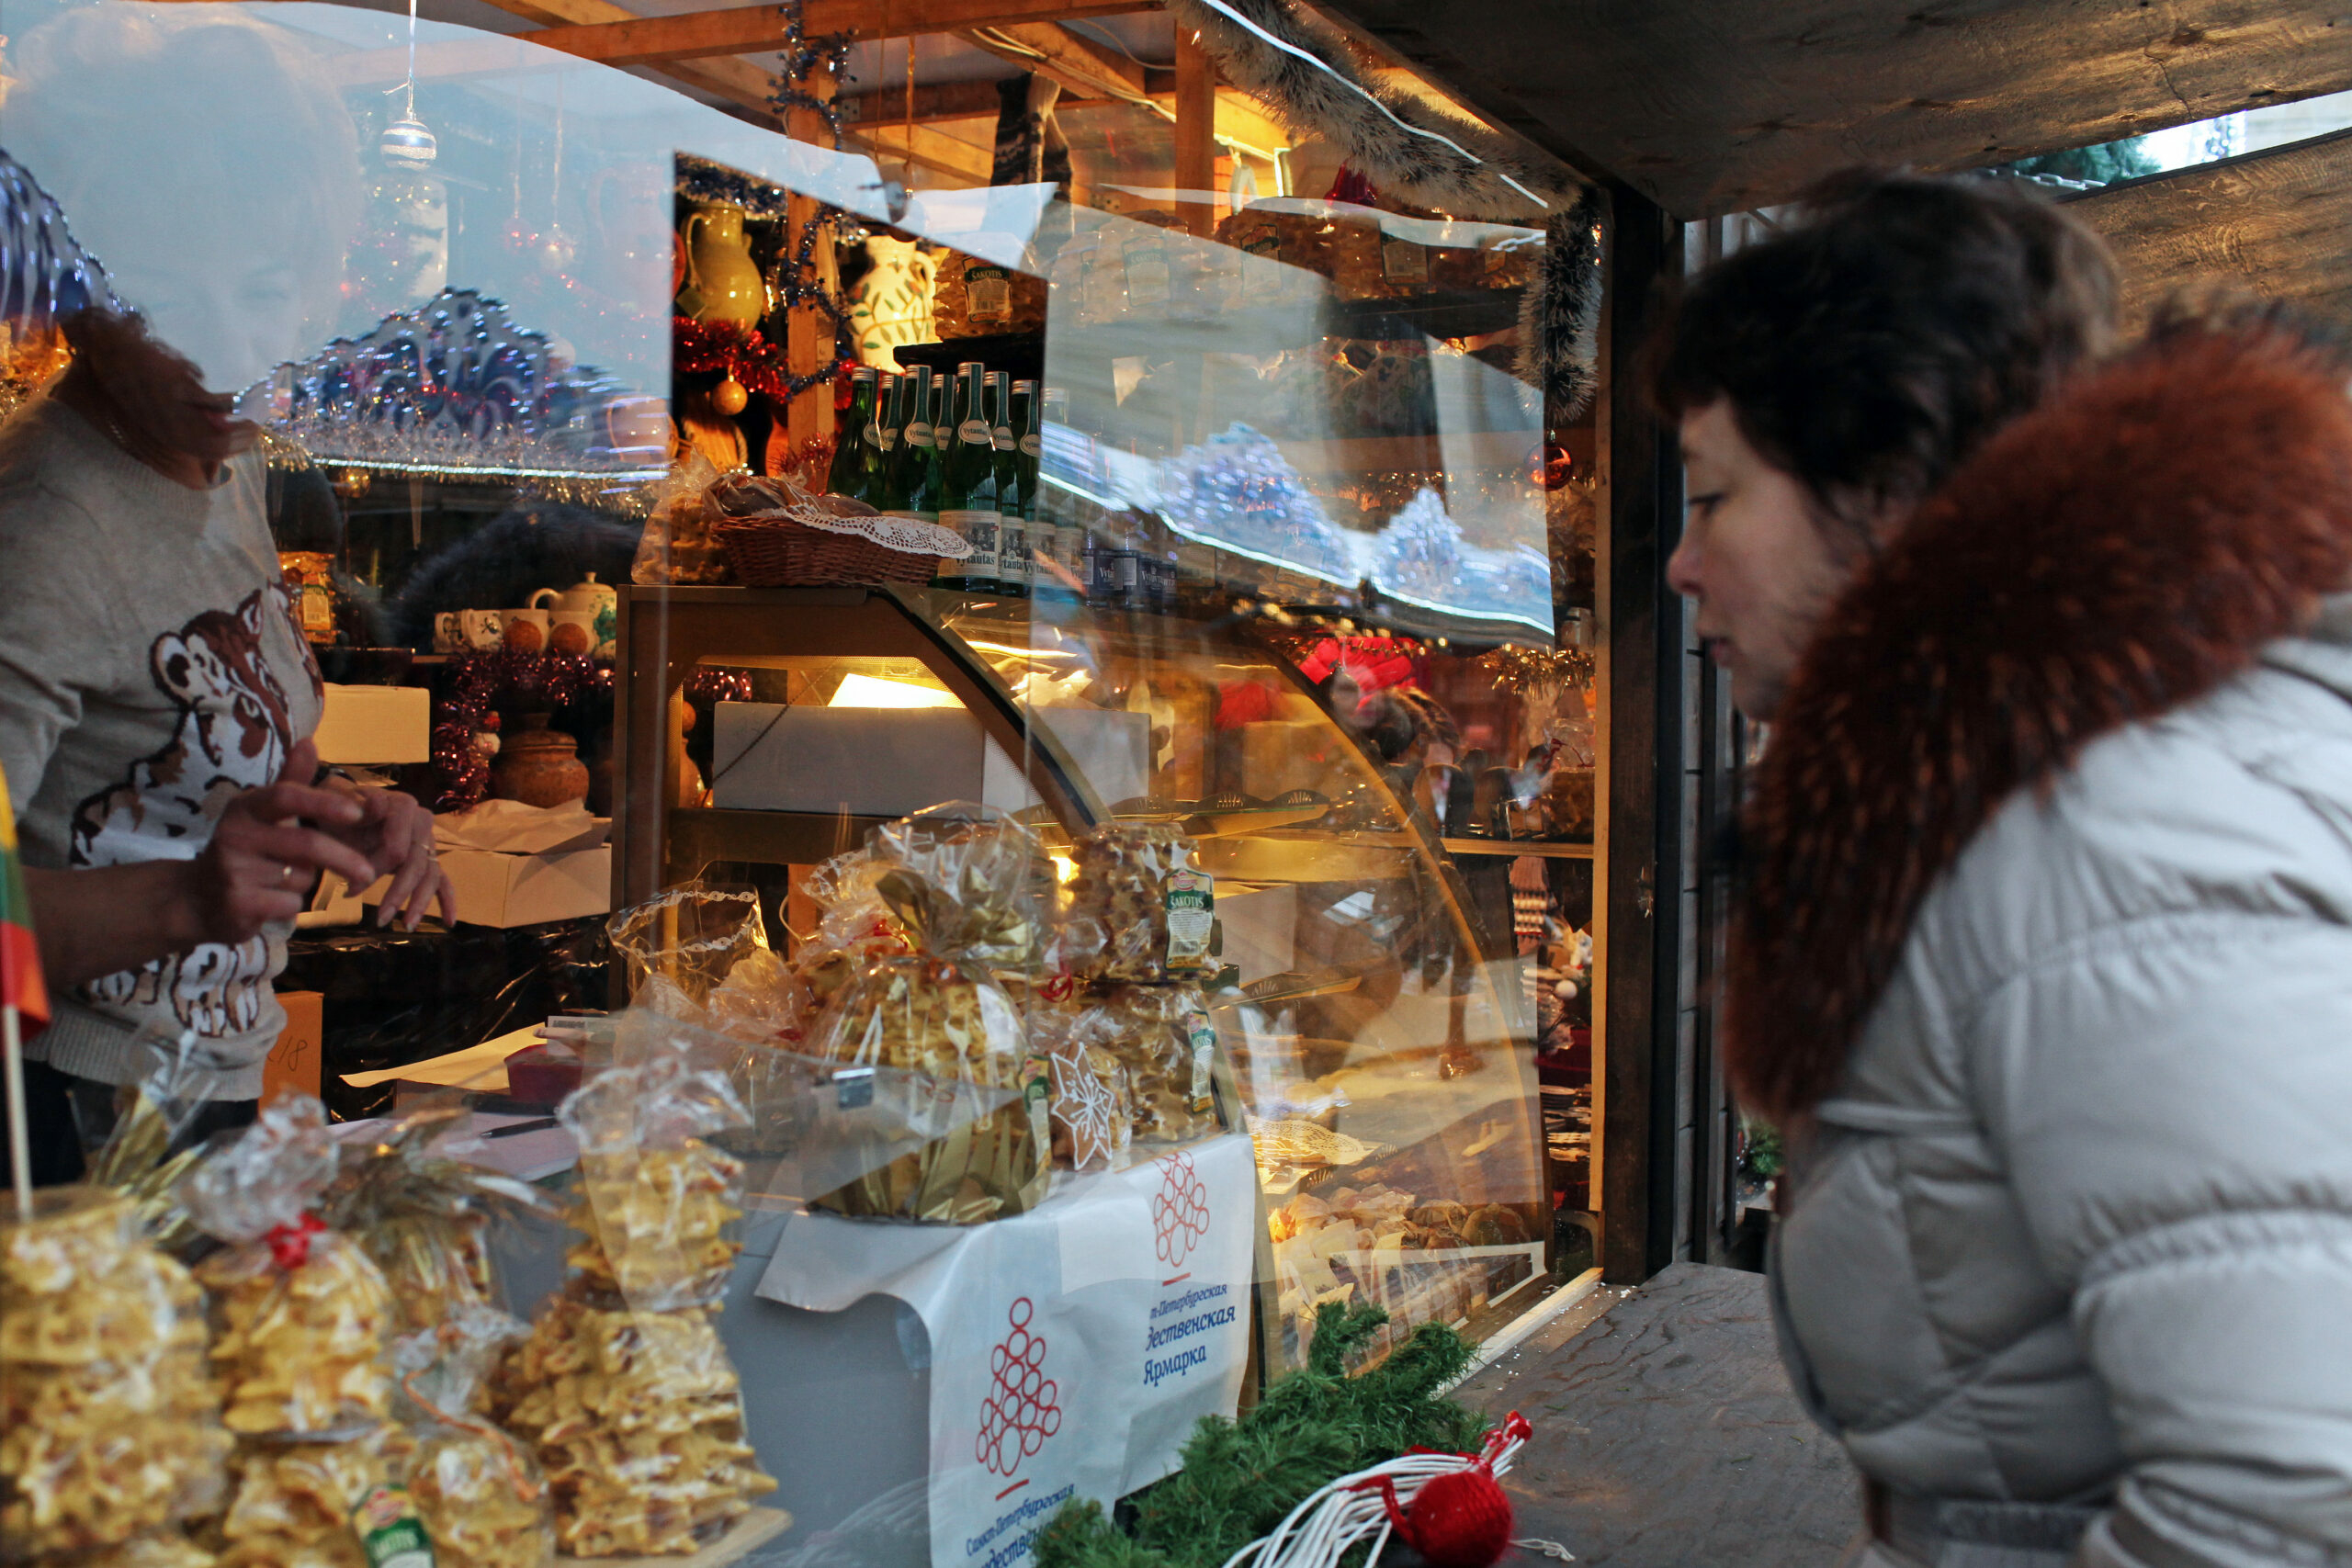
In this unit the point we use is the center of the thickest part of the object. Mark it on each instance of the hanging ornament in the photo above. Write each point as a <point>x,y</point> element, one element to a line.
<point>729,397</point>
<point>406,143</point>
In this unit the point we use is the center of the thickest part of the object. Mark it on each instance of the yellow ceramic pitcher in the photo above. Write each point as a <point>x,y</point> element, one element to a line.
<point>722,283</point>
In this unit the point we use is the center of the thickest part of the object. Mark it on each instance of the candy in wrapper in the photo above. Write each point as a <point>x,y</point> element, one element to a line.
<point>301,1309</point>
<point>479,1491</point>
<point>1140,885</point>
<point>109,1424</point>
<point>1165,1036</point>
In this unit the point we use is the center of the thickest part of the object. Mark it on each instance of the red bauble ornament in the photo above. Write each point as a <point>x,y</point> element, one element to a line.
<point>1461,1519</point>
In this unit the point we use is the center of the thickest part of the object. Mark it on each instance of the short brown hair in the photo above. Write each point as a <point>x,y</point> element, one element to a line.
<point>1870,348</point>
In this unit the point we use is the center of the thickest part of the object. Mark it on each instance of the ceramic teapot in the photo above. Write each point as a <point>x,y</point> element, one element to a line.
<point>593,606</point>
<point>722,283</point>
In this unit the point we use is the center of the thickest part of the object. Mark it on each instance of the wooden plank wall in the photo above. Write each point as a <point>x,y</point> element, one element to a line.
<point>1711,107</point>
<point>2278,223</point>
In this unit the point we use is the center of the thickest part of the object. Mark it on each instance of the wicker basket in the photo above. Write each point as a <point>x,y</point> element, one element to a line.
<point>770,550</point>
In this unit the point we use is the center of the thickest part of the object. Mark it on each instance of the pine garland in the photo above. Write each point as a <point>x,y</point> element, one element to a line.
<point>1241,1477</point>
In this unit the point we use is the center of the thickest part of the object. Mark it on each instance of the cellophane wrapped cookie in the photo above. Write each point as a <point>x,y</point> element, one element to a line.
<point>637,1419</point>
<point>109,1422</point>
<point>479,1491</point>
<point>1140,885</point>
<point>300,1312</point>
<point>1092,1099</point>
<point>622,1387</point>
<point>321,1504</point>
<point>1167,1040</point>
<point>933,1021</point>
<point>422,1216</point>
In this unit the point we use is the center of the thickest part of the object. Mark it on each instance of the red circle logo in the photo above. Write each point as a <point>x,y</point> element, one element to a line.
<point>1024,1405</point>
<point>1180,1211</point>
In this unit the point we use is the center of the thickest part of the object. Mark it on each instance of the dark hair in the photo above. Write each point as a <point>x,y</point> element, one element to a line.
<point>1905,318</point>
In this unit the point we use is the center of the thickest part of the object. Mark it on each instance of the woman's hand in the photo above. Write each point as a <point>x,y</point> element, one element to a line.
<point>396,835</point>
<point>268,848</point>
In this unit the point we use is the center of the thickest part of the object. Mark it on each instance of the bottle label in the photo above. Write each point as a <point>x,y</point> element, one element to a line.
<point>874,437</point>
<point>1013,561</point>
<point>1030,446</point>
<point>390,1534</point>
<point>989,290</point>
<point>917,433</point>
<point>889,439</point>
<point>977,529</point>
<point>1001,438</point>
<point>974,432</point>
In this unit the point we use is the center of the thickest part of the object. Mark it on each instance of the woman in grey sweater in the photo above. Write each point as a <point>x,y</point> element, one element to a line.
<point>2045,951</point>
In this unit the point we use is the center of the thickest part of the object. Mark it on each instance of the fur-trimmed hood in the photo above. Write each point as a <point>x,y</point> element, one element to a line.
<point>2122,551</point>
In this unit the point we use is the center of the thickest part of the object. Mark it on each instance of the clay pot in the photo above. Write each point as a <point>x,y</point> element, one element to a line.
<point>538,766</point>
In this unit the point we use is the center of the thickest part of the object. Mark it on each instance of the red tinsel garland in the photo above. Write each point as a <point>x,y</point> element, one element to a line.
<point>697,347</point>
<point>479,684</point>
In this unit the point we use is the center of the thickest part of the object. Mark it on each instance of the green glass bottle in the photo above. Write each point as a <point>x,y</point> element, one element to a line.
<point>848,477</point>
<point>1015,548</point>
<point>1016,487</point>
<point>911,491</point>
<point>968,492</point>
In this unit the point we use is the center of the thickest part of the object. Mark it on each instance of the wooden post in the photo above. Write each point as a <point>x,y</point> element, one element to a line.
<point>1195,133</point>
<point>1637,883</point>
<point>809,332</point>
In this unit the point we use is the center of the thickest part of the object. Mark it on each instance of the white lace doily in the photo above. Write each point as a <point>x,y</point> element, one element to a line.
<point>909,536</point>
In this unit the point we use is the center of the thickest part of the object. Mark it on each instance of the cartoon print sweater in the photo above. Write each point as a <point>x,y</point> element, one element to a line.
<point>150,670</point>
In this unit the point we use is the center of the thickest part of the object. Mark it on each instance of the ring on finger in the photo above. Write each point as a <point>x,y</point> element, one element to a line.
<point>285,877</point>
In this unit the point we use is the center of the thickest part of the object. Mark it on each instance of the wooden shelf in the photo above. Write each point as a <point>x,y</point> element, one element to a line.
<point>704,833</point>
<point>1544,849</point>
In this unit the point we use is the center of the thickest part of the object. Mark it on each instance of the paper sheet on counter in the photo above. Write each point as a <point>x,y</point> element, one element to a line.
<point>481,1067</point>
<point>509,827</point>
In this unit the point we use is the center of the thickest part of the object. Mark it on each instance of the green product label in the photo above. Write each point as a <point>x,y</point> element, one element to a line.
<point>1192,919</point>
<point>389,1532</point>
<point>977,529</point>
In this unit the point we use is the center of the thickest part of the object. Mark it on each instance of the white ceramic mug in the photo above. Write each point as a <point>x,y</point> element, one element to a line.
<point>482,628</point>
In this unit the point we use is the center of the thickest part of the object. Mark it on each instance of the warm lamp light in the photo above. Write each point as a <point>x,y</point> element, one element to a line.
<point>874,692</point>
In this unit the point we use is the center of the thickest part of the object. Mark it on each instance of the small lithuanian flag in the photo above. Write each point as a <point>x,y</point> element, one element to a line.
<point>20,984</point>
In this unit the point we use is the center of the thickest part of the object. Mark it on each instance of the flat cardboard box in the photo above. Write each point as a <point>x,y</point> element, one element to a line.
<point>506,891</point>
<point>292,1065</point>
<point>376,726</point>
<point>888,762</point>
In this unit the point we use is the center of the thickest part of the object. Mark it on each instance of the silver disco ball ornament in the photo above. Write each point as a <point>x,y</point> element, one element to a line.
<point>407,145</point>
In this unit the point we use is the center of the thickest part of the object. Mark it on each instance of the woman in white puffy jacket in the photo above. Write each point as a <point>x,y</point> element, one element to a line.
<point>2043,956</point>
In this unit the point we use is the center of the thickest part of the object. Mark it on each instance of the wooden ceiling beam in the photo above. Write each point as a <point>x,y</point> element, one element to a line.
<point>744,87</point>
<point>887,107</point>
<point>1084,69</point>
<point>751,30</point>
<point>1710,107</point>
<point>2272,223</point>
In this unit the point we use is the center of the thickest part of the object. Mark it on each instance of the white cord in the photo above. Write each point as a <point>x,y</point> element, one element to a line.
<point>1321,1530</point>
<point>1287,48</point>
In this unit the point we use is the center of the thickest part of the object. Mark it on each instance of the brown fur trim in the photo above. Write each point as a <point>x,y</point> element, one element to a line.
<point>2118,552</point>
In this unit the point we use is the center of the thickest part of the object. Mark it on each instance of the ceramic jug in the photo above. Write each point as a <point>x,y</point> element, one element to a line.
<point>538,766</point>
<point>722,283</point>
<point>590,604</point>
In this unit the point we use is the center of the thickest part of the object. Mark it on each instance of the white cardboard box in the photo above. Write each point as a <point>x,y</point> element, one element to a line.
<point>888,762</point>
<point>505,890</point>
<point>373,726</point>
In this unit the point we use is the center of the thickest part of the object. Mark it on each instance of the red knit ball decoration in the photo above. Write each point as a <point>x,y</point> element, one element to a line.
<point>1460,1519</point>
